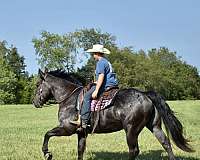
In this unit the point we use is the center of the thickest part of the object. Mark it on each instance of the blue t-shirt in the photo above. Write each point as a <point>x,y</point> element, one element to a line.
<point>105,67</point>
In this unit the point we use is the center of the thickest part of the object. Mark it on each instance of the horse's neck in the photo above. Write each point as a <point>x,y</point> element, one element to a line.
<point>62,89</point>
<point>70,104</point>
<point>67,108</point>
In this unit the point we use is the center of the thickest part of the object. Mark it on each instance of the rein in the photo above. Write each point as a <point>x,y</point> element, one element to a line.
<point>66,97</point>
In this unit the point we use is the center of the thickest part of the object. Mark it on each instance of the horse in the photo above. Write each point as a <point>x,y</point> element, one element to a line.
<point>131,110</point>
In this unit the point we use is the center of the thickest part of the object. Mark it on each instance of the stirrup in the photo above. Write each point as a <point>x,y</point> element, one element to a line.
<point>84,125</point>
<point>77,122</point>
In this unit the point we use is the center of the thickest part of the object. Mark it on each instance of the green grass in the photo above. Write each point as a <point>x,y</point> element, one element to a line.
<point>22,128</point>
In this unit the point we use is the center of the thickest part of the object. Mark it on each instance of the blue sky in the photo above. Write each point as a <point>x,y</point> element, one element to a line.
<point>142,24</point>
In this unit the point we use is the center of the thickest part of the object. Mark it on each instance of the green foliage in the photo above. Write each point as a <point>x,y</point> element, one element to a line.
<point>13,77</point>
<point>173,77</point>
<point>86,38</point>
<point>7,78</point>
<point>27,93</point>
<point>158,69</point>
<point>54,51</point>
<point>16,62</point>
<point>89,68</point>
<point>7,86</point>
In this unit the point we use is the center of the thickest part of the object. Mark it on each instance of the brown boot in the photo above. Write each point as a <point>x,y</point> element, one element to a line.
<point>77,122</point>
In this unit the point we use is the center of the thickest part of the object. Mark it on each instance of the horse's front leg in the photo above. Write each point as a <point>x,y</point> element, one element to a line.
<point>57,131</point>
<point>81,144</point>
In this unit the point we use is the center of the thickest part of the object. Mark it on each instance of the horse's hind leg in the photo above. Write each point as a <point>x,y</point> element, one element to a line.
<point>155,128</point>
<point>132,141</point>
<point>57,131</point>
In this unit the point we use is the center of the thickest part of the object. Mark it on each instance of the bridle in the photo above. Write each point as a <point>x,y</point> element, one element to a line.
<point>66,96</point>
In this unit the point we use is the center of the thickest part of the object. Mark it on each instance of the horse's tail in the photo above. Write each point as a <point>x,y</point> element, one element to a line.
<point>171,122</point>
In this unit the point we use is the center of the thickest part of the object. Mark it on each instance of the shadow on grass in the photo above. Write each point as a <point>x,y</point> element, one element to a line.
<point>151,155</point>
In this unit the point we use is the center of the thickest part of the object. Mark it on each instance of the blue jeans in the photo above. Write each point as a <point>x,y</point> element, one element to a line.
<point>85,111</point>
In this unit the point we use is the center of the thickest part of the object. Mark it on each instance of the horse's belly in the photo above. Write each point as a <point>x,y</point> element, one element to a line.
<point>107,122</point>
<point>108,129</point>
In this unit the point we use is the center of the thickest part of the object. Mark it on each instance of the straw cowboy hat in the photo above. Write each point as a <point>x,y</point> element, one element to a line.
<point>98,48</point>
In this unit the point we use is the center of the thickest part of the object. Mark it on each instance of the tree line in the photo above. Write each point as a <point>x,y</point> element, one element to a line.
<point>157,69</point>
<point>16,86</point>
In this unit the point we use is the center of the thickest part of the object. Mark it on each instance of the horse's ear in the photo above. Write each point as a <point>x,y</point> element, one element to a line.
<point>41,74</point>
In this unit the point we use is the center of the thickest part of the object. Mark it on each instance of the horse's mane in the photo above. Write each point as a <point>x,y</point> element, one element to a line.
<point>72,77</point>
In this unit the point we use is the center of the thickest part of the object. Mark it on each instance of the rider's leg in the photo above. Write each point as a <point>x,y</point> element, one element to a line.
<point>85,111</point>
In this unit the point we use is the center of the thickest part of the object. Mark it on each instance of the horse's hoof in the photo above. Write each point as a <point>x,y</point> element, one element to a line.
<point>48,156</point>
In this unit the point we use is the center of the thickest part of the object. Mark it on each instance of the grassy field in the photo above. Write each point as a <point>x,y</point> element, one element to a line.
<point>22,128</point>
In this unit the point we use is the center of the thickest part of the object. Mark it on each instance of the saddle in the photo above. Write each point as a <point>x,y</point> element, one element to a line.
<point>103,101</point>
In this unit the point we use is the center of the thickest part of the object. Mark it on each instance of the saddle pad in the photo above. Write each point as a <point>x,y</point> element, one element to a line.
<point>99,104</point>
<point>104,101</point>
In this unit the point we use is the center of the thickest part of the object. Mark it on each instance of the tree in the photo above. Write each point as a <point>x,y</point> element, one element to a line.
<point>7,79</point>
<point>54,51</point>
<point>85,39</point>
<point>171,76</point>
<point>157,69</point>
<point>17,66</point>
<point>28,90</point>
<point>7,86</point>
<point>13,74</point>
<point>16,62</point>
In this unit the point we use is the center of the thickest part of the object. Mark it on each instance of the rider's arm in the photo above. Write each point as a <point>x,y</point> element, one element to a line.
<point>99,81</point>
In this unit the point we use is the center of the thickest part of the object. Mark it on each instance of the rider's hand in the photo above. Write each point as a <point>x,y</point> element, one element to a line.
<point>94,94</point>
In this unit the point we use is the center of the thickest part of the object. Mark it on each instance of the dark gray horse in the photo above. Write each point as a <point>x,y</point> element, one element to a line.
<point>131,110</point>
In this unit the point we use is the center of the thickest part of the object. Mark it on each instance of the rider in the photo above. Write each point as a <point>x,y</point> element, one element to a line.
<point>105,77</point>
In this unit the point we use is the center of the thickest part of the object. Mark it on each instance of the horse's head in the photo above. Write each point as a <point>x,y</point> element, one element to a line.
<point>43,91</point>
<point>54,84</point>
